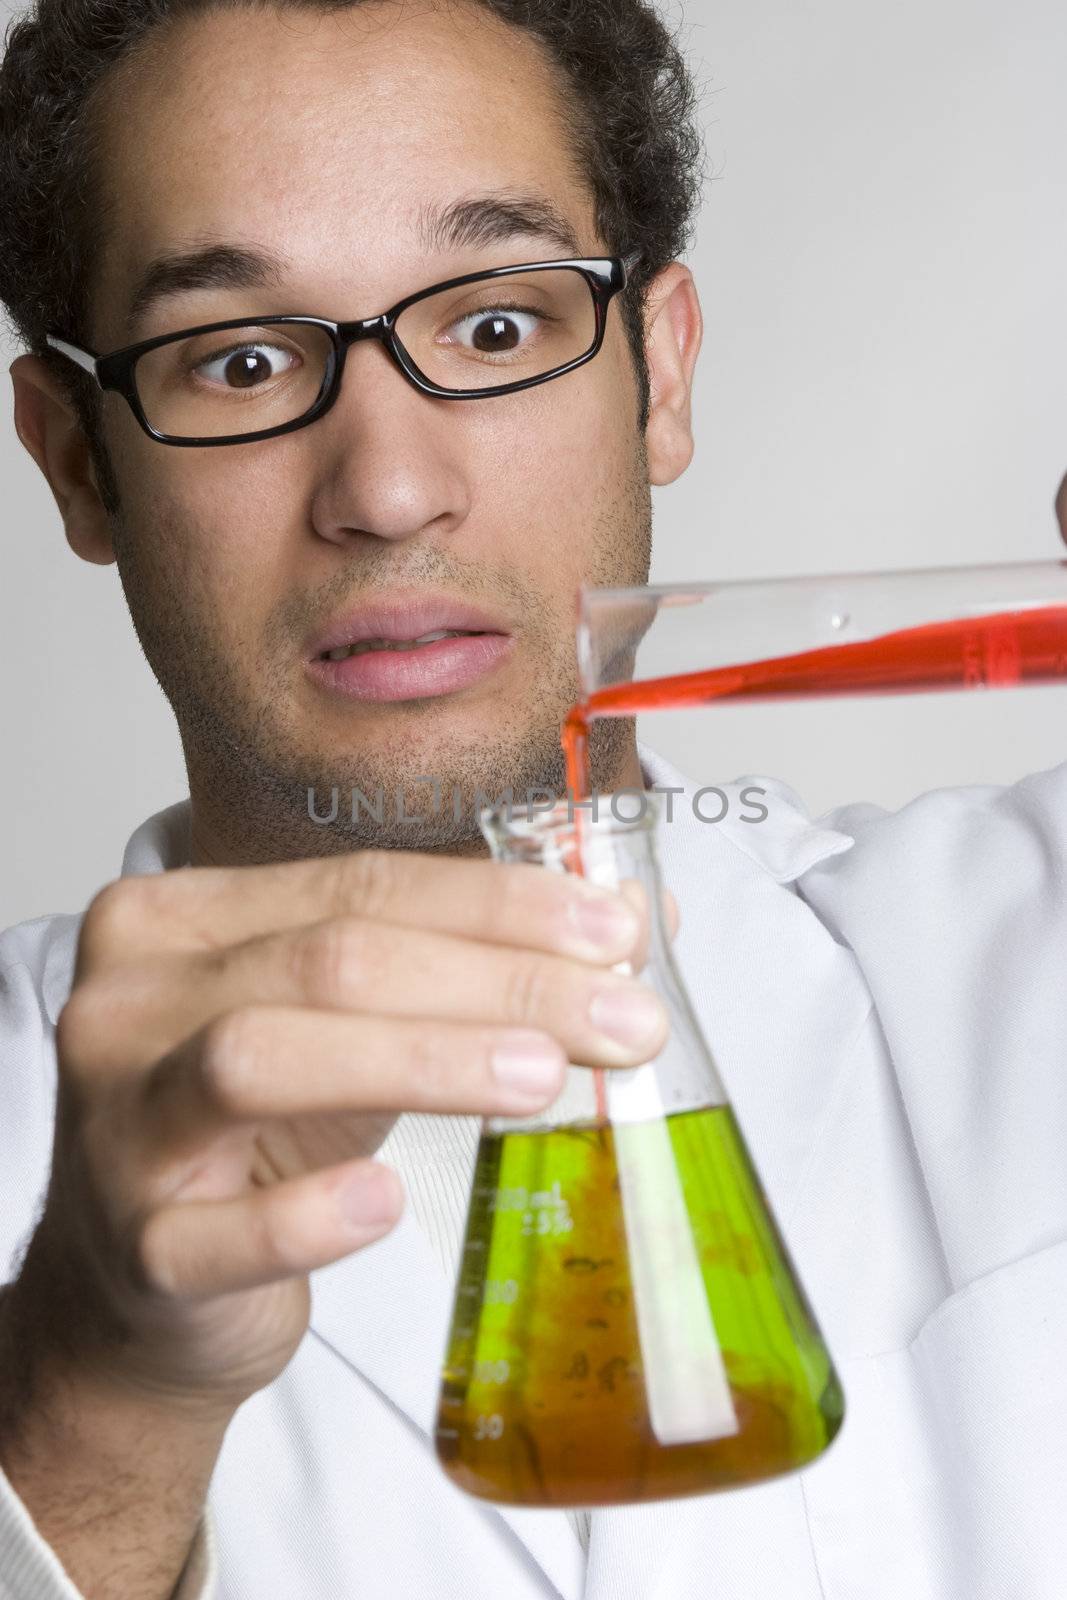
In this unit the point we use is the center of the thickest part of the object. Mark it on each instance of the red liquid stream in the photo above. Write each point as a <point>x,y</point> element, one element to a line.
<point>994,651</point>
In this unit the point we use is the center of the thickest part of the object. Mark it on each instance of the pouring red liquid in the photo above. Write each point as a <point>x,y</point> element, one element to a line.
<point>996,651</point>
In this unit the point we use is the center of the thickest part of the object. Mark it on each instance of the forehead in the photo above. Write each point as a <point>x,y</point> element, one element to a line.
<point>324,137</point>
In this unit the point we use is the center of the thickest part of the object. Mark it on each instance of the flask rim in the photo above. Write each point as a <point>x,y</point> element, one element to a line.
<point>510,822</point>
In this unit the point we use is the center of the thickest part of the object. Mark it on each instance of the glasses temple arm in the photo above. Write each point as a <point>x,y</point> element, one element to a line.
<point>628,264</point>
<point>82,358</point>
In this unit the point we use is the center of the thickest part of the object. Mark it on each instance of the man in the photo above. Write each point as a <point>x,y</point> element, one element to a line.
<point>224,1050</point>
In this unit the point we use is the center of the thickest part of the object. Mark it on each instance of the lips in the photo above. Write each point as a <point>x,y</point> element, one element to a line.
<point>404,621</point>
<point>408,649</point>
<point>365,645</point>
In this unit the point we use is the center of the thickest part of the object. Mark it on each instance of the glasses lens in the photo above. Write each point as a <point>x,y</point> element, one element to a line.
<point>237,381</point>
<point>500,330</point>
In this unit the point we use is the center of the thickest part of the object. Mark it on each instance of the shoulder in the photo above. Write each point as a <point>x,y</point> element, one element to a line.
<point>956,909</point>
<point>983,849</point>
<point>959,899</point>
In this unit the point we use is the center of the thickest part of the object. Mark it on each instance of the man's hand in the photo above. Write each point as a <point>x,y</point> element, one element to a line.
<point>237,1045</point>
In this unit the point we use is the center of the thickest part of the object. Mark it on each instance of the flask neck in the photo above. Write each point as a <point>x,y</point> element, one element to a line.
<point>610,841</point>
<point>615,848</point>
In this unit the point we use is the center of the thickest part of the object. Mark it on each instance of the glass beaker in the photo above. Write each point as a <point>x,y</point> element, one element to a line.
<point>628,1325</point>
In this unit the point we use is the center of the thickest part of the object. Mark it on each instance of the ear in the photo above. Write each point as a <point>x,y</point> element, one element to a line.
<point>673,330</point>
<point>49,428</point>
<point>1061,509</point>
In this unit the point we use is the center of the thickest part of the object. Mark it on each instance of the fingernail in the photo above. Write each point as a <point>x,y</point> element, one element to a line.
<point>527,1064</point>
<point>369,1199</point>
<point>630,1017</point>
<point>605,921</point>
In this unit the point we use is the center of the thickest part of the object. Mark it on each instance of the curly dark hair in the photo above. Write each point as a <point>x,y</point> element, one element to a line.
<point>631,104</point>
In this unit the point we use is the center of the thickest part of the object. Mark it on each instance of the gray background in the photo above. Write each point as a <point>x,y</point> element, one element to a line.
<point>882,260</point>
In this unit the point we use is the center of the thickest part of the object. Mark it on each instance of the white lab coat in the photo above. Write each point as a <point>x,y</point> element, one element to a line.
<point>885,996</point>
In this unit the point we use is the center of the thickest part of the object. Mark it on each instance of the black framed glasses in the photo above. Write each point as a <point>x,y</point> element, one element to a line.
<point>480,335</point>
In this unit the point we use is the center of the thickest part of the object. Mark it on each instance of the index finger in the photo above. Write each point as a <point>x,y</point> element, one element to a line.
<point>193,909</point>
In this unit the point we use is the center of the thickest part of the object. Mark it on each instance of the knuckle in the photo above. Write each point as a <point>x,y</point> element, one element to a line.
<point>527,991</point>
<point>375,882</point>
<point>109,920</point>
<point>151,1259</point>
<point>341,961</point>
<point>118,915</point>
<point>431,1067</point>
<point>78,1029</point>
<point>274,1237</point>
<point>230,1058</point>
<point>516,898</point>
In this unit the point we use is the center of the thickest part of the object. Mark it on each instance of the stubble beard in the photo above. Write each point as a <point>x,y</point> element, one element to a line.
<point>253,785</point>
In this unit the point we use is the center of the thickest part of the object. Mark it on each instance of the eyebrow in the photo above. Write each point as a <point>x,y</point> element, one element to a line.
<point>462,224</point>
<point>215,266</point>
<point>494,219</point>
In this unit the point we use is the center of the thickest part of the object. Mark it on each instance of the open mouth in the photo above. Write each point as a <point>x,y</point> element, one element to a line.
<point>408,647</point>
<point>367,645</point>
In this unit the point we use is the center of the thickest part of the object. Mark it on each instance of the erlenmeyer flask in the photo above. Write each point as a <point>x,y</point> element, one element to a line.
<point>628,1325</point>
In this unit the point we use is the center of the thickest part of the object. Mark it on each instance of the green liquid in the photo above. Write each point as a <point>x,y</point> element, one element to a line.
<point>544,1399</point>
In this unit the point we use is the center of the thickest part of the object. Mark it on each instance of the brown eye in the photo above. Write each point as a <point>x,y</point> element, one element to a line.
<point>248,366</point>
<point>496,331</point>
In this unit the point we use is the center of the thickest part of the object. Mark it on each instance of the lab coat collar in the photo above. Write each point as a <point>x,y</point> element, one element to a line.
<point>160,843</point>
<point>762,817</point>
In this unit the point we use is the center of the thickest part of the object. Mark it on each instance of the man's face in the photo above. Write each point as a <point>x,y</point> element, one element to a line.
<point>325,140</point>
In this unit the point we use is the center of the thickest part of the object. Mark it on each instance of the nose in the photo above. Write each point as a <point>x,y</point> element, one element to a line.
<point>390,461</point>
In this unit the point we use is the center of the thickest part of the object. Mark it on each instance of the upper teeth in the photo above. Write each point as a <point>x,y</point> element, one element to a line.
<point>394,644</point>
